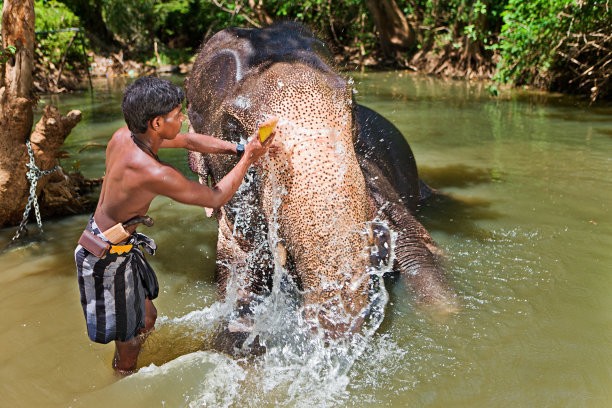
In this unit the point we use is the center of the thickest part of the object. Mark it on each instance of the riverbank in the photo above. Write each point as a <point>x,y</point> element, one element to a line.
<point>449,64</point>
<point>52,79</point>
<point>49,79</point>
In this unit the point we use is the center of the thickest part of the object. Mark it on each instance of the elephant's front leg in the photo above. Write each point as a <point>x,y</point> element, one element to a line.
<point>418,260</point>
<point>417,257</point>
<point>238,284</point>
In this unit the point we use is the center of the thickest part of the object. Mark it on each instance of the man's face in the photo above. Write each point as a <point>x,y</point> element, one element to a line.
<point>172,122</point>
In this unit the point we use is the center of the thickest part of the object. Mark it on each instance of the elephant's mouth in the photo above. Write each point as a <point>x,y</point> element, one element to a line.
<point>380,244</point>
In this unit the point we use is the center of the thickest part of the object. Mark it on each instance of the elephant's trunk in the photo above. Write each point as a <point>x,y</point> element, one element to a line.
<point>326,238</point>
<point>323,200</point>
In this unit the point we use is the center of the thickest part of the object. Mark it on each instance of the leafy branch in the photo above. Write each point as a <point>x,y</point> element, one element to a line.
<point>7,53</point>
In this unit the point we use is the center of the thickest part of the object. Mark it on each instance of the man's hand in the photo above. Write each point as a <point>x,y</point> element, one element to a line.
<point>255,149</point>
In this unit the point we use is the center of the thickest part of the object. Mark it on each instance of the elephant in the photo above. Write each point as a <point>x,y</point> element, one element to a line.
<point>327,206</point>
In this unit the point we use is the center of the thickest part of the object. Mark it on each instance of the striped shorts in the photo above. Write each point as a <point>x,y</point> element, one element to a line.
<point>113,289</point>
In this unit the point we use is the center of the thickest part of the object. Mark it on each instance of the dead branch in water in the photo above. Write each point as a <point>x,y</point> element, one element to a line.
<point>91,144</point>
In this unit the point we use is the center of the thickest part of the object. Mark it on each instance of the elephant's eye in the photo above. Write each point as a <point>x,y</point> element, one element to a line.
<point>233,130</point>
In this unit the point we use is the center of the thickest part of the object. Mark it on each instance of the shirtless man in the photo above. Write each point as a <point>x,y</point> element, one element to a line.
<point>117,289</point>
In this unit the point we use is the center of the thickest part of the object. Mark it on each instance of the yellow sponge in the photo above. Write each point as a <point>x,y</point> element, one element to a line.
<point>266,129</point>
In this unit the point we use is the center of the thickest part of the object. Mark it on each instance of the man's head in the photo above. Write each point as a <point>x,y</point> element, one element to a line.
<point>147,98</point>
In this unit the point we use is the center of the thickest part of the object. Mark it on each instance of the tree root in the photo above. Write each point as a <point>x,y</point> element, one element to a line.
<point>587,64</point>
<point>59,193</point>
<point>467,62</point>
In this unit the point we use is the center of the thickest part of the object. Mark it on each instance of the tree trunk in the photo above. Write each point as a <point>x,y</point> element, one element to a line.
<point>260,12</point>
<point>396,34</point>
<point>59,193</point>
<point>16,101</point>
<point>90,14</point>
<point>62,195</point>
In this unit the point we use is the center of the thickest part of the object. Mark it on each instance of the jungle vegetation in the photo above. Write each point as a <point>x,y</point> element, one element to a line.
<point>555,45</point>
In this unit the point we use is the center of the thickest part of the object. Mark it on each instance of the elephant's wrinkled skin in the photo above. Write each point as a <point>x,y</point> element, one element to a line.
<point>341,165</point>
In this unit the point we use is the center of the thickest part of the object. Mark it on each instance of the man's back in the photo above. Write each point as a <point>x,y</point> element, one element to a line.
<point>129,171</point>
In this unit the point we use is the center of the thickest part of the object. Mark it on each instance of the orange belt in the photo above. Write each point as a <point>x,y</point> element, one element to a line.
<point>120,249</point>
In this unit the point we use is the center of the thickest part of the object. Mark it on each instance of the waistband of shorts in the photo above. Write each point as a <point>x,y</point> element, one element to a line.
<point>136,239</point>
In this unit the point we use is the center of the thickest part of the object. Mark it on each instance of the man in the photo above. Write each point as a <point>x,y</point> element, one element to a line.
<point>117,284</point>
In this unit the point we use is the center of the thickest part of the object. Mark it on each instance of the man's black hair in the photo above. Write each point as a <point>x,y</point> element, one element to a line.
<point>147,98</point>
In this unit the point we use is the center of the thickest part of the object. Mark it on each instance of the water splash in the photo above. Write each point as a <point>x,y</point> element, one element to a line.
<point>302,366</point>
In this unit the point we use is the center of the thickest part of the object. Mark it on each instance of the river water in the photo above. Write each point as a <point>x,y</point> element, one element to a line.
<point>526,228</point>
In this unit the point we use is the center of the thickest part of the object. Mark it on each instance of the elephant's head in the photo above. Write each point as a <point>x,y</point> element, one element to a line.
<point>308,205</point>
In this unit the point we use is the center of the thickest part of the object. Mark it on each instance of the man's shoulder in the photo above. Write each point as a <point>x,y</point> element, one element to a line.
<point>121,133</point>
<point>120,137</point>
<point>124,154</point>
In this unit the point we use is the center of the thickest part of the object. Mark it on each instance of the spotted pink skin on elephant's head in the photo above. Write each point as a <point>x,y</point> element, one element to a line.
<point>314,189</point>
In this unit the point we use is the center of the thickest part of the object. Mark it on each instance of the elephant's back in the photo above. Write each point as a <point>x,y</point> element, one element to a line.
<point>283,42</point>
<point>382,146</point>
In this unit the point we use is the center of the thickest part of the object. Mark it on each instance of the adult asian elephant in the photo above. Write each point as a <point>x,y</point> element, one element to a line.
<point>309,208</point>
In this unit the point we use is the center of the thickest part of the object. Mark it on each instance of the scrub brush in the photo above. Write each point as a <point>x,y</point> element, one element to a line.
<point>266,129</point>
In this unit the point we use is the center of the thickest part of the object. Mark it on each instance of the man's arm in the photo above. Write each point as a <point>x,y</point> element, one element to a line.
<point>200,143</point>
<point>170,182</point>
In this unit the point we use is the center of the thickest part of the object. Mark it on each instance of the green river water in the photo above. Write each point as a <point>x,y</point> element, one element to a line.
<point>527,230</point>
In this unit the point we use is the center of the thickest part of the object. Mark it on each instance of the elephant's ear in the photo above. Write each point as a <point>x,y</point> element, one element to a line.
<point>220,65</point>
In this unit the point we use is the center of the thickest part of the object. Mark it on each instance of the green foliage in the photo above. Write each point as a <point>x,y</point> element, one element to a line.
<point>493,90</point>
<point>536,36</point>
<point>536,40</point>
<point>476,19</point>
<point>182,24</point>
<point>51,15</point>
<point>341,23</point>
<point>6,53</point>
<point>530,31</point>
<point>133,21</point>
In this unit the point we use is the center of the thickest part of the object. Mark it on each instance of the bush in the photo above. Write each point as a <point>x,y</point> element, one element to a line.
<point>546,44</point>
<point>52,15</point>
